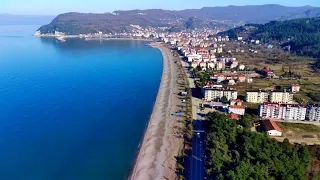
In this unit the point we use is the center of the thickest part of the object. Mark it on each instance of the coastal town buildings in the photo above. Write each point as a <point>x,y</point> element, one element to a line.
<point>242,67</point>
<point>313,112</point>
<point>257,96</point>
<point>281,97</point>
<point>235,102</point>
<point>265,96</point>
<point>215,93</point>
<point>282,111</point>
<point>239,110</point>
<point>270,110</point>
<point>294,112</point>
<point>295,88</point>
<point>272,128</point>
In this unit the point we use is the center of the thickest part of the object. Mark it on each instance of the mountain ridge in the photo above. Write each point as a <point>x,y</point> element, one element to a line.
<point>206,17</point>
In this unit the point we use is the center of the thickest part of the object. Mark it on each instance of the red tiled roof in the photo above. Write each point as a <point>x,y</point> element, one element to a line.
<point>236,100</point>
<point>271,125</point>
<point>271,103</point>
<point>233,116</point>
<point>237,107</point>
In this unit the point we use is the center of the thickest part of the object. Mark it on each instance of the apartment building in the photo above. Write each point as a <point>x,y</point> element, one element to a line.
<point>313,112</point>
<point>215,94</point>
<point>281,97</point>
<point>270,110</point>
<point>282,111</point>
<point>257,96</point>
<point>294,112</point>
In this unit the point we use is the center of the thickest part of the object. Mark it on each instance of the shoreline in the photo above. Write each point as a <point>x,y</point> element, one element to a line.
<point>155,156</point>
<point>94,38</point>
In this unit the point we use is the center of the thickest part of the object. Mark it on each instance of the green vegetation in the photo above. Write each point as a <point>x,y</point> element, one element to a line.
<point>302,35</point>
<point>201,76</point>
<point>235,152</point>
<point>315,96</point>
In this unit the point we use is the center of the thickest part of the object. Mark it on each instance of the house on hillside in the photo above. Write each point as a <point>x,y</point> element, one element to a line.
<point>272,128</point>
<point>239,110</point>
<point>295,88</point>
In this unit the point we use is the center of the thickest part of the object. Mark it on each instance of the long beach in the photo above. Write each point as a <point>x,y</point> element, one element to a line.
<point>155,159</point>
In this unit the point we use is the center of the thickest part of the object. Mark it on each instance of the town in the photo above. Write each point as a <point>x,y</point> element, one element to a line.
<point>240,78</point>
<point>217,73</point>
<point>226,83</point>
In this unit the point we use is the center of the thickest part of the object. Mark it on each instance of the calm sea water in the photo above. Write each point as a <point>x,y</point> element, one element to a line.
<point>75,110</point>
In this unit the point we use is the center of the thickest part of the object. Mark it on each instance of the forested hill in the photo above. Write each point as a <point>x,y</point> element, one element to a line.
<point>119,21</point>
<point>302,35</point>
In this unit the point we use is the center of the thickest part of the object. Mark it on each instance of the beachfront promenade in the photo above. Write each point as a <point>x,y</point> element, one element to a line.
<point>160,145</point>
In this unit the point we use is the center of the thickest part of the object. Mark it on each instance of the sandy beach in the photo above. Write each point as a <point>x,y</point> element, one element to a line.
<point>162,141</point>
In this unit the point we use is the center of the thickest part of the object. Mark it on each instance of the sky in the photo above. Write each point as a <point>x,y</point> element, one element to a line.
<point>54,7</point>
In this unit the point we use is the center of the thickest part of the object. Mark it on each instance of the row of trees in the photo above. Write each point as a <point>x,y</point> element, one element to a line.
<point>235,152</point>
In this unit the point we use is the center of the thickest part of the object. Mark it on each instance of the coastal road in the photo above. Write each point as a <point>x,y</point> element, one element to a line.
<point>196,112</point>
<point>197,161</point>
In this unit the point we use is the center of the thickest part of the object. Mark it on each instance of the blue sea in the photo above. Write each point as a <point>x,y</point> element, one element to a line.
<point>75,110</point>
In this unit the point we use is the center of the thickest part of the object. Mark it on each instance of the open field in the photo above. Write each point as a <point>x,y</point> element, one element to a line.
<point>300,133</point>
<point>280,63</point>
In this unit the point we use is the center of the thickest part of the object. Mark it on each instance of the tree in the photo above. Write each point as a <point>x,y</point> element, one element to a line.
<point>235,152</point>
<point>224,99</point>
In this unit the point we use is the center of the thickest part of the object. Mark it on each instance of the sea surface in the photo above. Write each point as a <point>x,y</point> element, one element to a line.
<point>75,110</point>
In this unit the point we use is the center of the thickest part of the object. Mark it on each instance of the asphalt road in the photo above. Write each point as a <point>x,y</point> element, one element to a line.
<point>196,112</point>
<point>197,161</point>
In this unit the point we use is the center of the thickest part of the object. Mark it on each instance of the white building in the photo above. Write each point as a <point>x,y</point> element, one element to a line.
<point>295,88</point>
<point>215,94</point>
<point>313,112</point>
<point>282,111</point>
<point>191,57</point>
<point>257,96</point>
<point>270,110</point>
<point>272,128</point>
<point>239,110</point>
<point>220,66</point>
<point>281,97</point>
<point>242,67</point>
<point>211,65</point>
<point>294,112</point>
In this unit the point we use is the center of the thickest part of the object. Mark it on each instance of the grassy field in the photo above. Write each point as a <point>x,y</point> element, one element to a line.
<point>300,133</point>
<point>300,127</point>
<point>280,62</point>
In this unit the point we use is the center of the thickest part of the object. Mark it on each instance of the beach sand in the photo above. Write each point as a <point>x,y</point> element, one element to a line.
<point>161,142</point>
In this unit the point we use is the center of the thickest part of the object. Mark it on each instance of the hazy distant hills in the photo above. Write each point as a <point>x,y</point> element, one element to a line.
<point>119,21</point>
<point>8,19</point>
